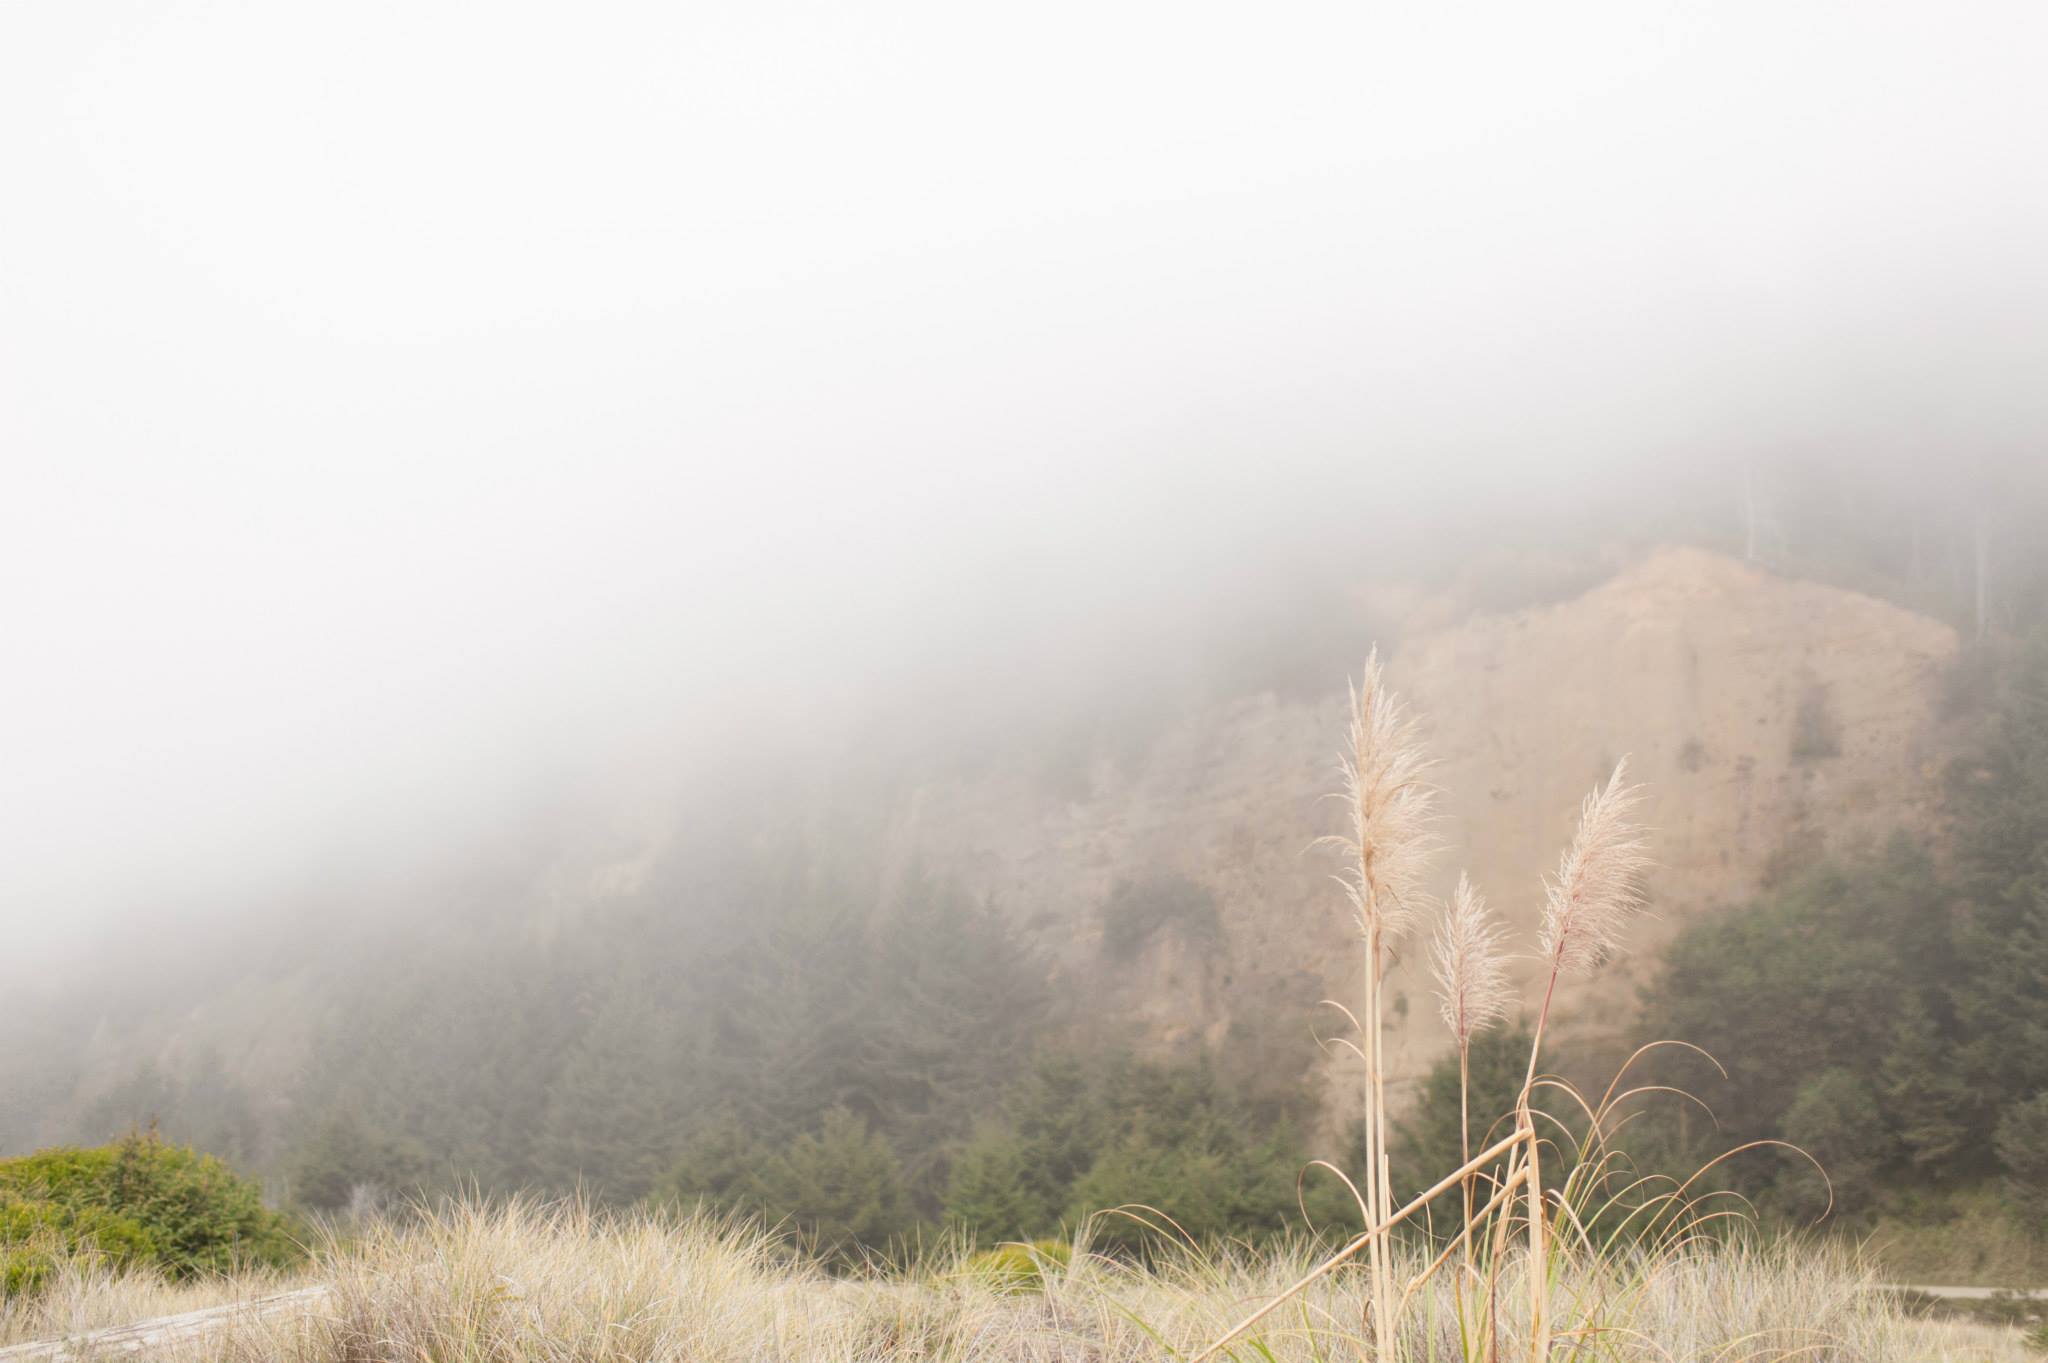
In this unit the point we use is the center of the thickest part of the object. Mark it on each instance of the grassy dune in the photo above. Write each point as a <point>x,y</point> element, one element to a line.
<point>524,1282</point>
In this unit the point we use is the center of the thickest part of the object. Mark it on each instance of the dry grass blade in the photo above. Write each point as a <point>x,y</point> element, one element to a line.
<point>1376,1234</point>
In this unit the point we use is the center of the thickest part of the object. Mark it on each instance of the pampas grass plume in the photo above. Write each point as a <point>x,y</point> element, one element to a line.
<point>1598,887</point>
<point>1388,808</point>
<point>1470,967</point>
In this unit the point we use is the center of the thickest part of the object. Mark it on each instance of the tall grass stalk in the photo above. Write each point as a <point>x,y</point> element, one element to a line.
<point>1596,891</point>
<point>1587,903</point>
<point>1386,842</point>
<point>1473,994</point>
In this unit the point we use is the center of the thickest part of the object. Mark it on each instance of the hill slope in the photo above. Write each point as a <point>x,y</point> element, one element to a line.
<point>1170,887</point>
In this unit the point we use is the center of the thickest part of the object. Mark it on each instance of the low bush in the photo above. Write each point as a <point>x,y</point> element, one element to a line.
<point>136,1202</point>
<point>1017,1267</point>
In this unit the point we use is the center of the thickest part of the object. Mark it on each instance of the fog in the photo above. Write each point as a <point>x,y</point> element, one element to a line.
<point>414,411</point>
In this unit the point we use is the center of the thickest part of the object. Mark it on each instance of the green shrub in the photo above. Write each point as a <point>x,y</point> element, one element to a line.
<point>138,1201</point>
<point>1019,1267</point>
<point>36,1235</point>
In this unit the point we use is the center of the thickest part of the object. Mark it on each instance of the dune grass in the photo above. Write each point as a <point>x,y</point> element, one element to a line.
<point>526,1282</point>
<point>86,1293</point>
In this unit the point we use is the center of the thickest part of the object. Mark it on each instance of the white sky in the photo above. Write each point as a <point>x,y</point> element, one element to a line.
<point>398,399</point>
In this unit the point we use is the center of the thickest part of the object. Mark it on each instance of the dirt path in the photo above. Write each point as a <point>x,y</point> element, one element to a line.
<point>144,1334</point>
<point>1970,1293</point>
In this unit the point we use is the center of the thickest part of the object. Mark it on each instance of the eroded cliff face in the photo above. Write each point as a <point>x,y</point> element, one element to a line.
<point>1768,717</point>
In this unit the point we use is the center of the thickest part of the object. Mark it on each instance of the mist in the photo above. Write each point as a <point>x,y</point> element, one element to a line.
<point>419,415</point>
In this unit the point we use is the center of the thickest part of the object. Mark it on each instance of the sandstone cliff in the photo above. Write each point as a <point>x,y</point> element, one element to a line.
<point>1768,717</point>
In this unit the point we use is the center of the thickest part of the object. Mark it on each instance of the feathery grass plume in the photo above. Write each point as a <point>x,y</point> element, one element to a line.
<point>1388,807</point>
<point>1386,847</point>
<point>1597,889</point>
<point>1471,969</point>
<point>1473,993</point>
<point>1599,883</point>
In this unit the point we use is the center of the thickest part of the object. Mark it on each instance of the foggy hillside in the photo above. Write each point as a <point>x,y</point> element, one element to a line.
<point>990,910</point>
<point>1775,718</point>
<point>722,604</point>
